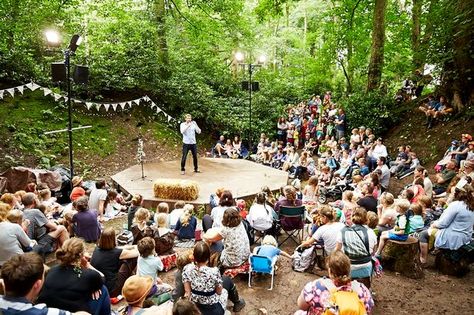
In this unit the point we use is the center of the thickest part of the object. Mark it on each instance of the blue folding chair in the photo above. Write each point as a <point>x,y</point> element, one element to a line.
<point>261,264</point>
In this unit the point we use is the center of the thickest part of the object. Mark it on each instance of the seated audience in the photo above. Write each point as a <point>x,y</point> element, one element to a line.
<point>23,277</point>
<point>85,221</point>
<point>72,284</point>
<point>77,190</point>
<point>176,213</point>
<point>444,178</point>
<point>186,226</point>
<point>261,215</point>
<point>137,201</point>
<point>117,264</point>
<point>454,228</point>
<point>368,202</point>
<point>316,295</point>
<point>217,213</point>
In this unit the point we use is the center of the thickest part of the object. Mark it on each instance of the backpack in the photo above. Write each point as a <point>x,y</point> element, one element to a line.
<point>125,238</point>
<point>303,259</point>
<point>163,243</point>
<point>344,302</point>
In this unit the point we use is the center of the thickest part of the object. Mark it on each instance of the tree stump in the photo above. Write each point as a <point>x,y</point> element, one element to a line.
<point>452,263</point>
<point>403,257</point>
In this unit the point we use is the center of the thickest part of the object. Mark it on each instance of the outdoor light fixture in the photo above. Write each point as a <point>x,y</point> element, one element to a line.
<point>52,37</point>
<point>61,72</point>
<point>239,56</point>
<point>251,86</point>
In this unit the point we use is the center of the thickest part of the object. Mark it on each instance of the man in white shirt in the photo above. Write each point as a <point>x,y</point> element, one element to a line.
<point>189,128</point>
<point>98,196</point>
<point>379,150</point>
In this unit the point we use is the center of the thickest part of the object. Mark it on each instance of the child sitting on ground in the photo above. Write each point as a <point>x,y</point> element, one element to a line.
<point>240,203</point>
<point>186,225</point>
<point>140,227</point>
<point>149,264</point>
<point>162,208</point>
<point>269,248</point>
<point>161,221</point>
<point>400,231</point>
<point>16,216</point>
<point>183,259</point>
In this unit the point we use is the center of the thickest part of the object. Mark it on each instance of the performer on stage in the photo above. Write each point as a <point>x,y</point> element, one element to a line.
<point>189,129</point>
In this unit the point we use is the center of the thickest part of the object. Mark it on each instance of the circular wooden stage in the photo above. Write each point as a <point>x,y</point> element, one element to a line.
<point>243,178</point>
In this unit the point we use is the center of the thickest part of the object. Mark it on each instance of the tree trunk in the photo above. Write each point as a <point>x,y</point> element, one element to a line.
<point>163,59</point>
<point>403,257</point>
<point>377,49</point>
<point>418,63</point>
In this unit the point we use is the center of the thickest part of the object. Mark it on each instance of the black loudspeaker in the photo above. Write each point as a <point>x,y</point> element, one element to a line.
<point>255,86</point>
<point>58,71</point>
<point>81,74</point>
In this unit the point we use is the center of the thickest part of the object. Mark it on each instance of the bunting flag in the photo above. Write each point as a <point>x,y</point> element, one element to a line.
<point>89,105</point>
<point>47,91</point>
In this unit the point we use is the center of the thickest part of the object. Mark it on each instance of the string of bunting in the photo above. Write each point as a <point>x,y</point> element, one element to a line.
<point>89,105</point>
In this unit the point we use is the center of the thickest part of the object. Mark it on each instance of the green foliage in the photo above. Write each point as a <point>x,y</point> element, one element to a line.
<point>372,110</point>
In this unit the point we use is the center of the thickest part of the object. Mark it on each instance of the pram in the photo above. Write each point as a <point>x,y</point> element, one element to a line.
<point>334,192</point>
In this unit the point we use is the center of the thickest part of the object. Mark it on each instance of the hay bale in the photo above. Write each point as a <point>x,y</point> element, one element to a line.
<point>177,189</point>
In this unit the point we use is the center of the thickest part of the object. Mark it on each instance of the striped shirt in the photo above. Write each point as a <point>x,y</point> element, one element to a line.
<point>17,306</point>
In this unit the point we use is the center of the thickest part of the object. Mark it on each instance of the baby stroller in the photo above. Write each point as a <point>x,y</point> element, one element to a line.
<point>334,192</point>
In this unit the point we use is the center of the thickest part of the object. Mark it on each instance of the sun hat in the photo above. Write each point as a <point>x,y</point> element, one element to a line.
<point>76,180</point>
<point>455,142</point>
<point>136,288</point>
<point>467,136</point>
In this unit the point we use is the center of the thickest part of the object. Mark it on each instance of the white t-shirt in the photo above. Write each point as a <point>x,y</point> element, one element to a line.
<point>217,214</point>
<point>328,234</point>
<point>428,186</point>
<point>95,197</point>
<point>260,217</point>
<point>174,216</point>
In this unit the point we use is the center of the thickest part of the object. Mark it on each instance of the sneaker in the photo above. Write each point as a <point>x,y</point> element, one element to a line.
<point>182,172</point>
<point>239,306</point>
<point>197,171</point>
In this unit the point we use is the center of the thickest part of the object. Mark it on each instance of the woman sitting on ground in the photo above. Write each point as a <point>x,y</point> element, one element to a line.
<point>316,295</point>
<point>74,285</point>
<point>117,264</point>
<point>236,246</point>
<point>291,161</point>
<point>85,221</point>
<point>310,191</point>
<point>237,145</point>
<point>303,163</point>
<point>358,242</point>
<point>260,215</point>
<point>217,213</point>
<point>203,284</point>
<point>454,228</point>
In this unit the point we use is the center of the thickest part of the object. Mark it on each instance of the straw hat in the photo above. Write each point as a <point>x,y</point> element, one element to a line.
<point>76,180</point>
<point>136,288</point>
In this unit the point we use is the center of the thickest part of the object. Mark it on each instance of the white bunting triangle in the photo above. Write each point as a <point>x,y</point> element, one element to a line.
<point>107,106</point>
<point>56,96</point>
<point>169,118</point>
<point>158,110</point>
<point>122,105</point>
<point>47,91</point>
<point>1,94</point>
<point>97,106</point>
<point>11,91</point>
<point>77,101</point>
<point>32,86</point>
<point>114,106</point>
<point>20,89</point>
<point>137,101</point>
<point>65,98</point>
<point>89,105</point>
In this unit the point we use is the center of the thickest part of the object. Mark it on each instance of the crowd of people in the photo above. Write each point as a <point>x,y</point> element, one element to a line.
<point>312,142</point>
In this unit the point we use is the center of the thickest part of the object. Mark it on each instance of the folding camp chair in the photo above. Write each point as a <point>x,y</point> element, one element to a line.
<point>293,225</point>
<point>262,264</point>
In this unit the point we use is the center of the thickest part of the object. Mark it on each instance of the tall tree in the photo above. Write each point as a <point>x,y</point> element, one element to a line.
<point>377,49</point>
<point>159,9</point>
<point>416,34</point>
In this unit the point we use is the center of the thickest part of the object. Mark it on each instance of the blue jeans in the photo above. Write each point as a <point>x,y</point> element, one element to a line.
<point>102,305</point>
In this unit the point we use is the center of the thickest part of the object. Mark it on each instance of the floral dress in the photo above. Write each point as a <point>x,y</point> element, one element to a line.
<point>236,246</point>
<point>204,281</point>
<point>317,295</point>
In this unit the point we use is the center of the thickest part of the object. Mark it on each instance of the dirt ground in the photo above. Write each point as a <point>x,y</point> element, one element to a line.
<point>394,294</point>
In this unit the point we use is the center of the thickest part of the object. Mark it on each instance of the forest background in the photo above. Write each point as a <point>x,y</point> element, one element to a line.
<point>182,53</point>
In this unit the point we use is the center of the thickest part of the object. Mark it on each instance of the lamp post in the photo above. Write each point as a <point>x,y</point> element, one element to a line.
<point>250,85</point>
<point>53,40</point>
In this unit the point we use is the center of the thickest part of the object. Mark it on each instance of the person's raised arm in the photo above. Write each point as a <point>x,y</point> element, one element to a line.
<point>183,127</point>
<point>212,235</point>
<point>198,130</point>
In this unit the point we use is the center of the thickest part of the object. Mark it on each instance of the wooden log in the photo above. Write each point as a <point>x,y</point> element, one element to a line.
<point>403,257</point>
<point>451,263</point>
